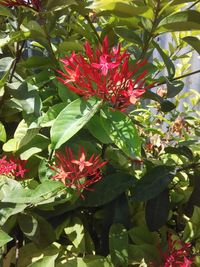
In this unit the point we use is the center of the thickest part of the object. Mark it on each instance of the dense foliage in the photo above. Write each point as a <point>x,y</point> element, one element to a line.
<point>99,146</point>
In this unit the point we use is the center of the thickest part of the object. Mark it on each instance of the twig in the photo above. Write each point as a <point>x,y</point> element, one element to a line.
<point>194,4</point>
<point>92,26</point>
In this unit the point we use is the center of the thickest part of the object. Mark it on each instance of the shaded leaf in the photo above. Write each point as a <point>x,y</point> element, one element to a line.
<point>157,211</point>
<point>174,88</point>
<point>153,183</point>
<point>118,244</point>
<point>194,42</point>
<point>167,106</point>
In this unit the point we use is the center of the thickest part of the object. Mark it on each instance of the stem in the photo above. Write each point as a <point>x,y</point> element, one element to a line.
<point>177,78</point>
<point>151,34</point>
<point>17,58</point>
<point>194,4</point>
<point>92,26</point>
<point>52,54</point>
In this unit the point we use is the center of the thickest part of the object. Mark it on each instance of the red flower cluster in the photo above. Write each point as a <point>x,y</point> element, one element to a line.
<point>12,166</point>
<point>177,254</point>
<point>34,4</point>
<point>105,73</point>
<point>79,174</point>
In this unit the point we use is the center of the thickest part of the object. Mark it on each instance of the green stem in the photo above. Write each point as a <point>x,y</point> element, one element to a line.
<point>194,4</point>
<point>177,78</point>
<point>151,33</point>
<point>92,27</point>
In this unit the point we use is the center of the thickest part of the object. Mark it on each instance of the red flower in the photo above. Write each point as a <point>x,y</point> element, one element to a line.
<point>33,4</point>
<point>177,254</point>
<point>13,167</point>
<point>80,173</point>
<point>105,73</point>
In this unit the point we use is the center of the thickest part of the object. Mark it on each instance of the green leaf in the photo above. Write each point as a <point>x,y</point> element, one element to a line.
<point>52,113</point>
<point>71,119</point>
<point>32,256</point>
<point>6,64</point>
<point>9,209</point>
<point>194,42</point>
<point>41,193</point>
<point>182,21</point>
<point>167,106</point>
<point>166,59</point>
<point>36,229</point>
<point>96,129</point>
<point>13,37</point>
<point>26,96</point>
<point>107,189</point>
<point>22,136</point>
<point>153,183</point>
<point>2,133</point>
<point>52,5</point>
<point>36,62</point>
<point>192,231</point>
<point>4,238</point>
<point>141,235</point>
<point>174,88</point>
<point>4,11</point>
<point>122,132</point>
<point>35,146</point>
<point>182,150</point>
<point>157,211</point>
<point>121,8</point>
<point>118,244</point>
<point>128,35</point>
<point>29,226</point>
<point>70,46</point>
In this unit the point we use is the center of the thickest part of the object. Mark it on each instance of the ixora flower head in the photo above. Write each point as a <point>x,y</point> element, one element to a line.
<point>33,4</point>
<point>77,173</point>
<point>13,167</point>
<point>106,74</point>
<point>177,254</point>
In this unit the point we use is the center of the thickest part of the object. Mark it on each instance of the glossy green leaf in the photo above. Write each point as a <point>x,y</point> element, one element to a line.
<point>9,209</point>
<point>4,238</point>
<point>118,244</point>
<point>122,132</point>
<point>6,64</point>
<point>181,150</point>
<point>108,189</point>
<point>153,183</point>
<point>96,129</point>
<point>182,21</point>
<point>52,113</point>
<point>128,35</point>
<point>52,5</point>
<point>71,119</point>
<point>121,8</point>
<point>2,133</point>
<point>141,235</point>
<point>192,231</point>
<point>16,36</point>
<point>174,88</point>
<point>194,42</point>
<point>157,211</point>
<point>167,106</point>
<point>36,62</point>
<point>36,145</point>
<point>166,59</point>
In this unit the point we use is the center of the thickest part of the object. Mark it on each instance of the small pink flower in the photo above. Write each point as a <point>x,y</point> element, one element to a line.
<point>77,173</point>
<point>12,166</point>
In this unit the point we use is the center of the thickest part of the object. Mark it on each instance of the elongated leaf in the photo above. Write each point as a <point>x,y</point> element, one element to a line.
<point>5,67</point>
<point>157,211</point>
<point>182,150</point>
<point>2,133</point>
<point>71,119</point>
<point>166,59</point>
<point>108,189</point>
<point>182,21</point>
<point>193,42</point>
<point>118,243</point>
<point>121,8</point>
<point>174,88</point>
<point>128,35</point>
<point>122,132</point>
<point>9,209</point>
<point>4,238</point>
<point>153,183</point>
